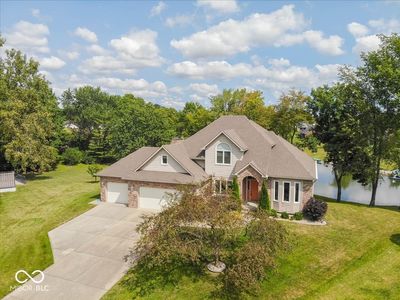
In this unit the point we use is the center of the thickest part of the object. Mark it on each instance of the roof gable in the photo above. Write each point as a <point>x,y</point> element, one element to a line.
<point>231,135</point>
<point>155,153</point>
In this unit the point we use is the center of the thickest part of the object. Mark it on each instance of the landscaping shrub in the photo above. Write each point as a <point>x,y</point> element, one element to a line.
<point>273,213</point>
<point>264,198</point>
<point>314,209</point>
<point>236,192</point>
<point>72,156</point>
<point>298,216</point>
<point>93,170</point>
<point>284,215</point>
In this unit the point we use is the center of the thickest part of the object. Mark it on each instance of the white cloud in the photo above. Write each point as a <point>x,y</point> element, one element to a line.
<point>282,27</point>
<point>281,62</point>
<point>86,34</point>
<point>52,63</point>
<point>204,89</point>
<point>139,47</point>
<point>96,49</point>
<point>36,13</point>
<point>28,37</point>
<point>179,20</point>
<point>138,87</point>
<point>331,45</point>
<point>385,26</point>
<point>72,55</point>
<point>220,6</point>
<point>279,75</point>
<point>158,9</point>
<point>133,51</point>
<point>365,42</point>
<point>357,29</point>
<point>230,37</point>
<point>213,69</point>
<point>105,65</point>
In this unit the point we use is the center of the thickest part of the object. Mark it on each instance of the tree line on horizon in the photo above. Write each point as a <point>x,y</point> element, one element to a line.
<point>357,119</point>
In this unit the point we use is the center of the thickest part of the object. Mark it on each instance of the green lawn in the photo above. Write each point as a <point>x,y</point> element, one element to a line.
<point>356,256</point>
<point>321,154</point>
<point>33,210</point>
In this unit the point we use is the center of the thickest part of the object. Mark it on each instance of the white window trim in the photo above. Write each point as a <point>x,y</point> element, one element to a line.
<point>294,192</point>
<point>276,181</point>
<point>223,155</point>
<point>283,191</point>
<point>220,180</point>
<point>162,161</point>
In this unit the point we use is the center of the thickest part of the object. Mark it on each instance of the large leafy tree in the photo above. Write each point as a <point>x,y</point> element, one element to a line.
<point>290,112</point>
<point>194,117</point>
<point>29,115</point>
<point>243,102</point>
<point>137,123</point>
<point>375,90</point>
<point>88,108</point>
<point>335,126</point>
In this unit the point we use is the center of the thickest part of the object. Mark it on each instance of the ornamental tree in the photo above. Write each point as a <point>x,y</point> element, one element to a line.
<point>197,227</point>
<point>264,198</point>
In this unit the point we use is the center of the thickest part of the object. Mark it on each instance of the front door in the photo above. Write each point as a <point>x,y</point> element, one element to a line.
<point>253,190</point>
<point>250,189</point>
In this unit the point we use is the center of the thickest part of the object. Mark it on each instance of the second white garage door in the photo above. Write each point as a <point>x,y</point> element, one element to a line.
<point>153,198</point>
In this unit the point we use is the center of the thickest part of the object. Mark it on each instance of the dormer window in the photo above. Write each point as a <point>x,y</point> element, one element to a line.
<point>164,160</point>
<point>223,154</point>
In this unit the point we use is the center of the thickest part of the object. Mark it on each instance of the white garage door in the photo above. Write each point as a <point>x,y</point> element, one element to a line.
<point>117,192</point>
<point>153,198</point>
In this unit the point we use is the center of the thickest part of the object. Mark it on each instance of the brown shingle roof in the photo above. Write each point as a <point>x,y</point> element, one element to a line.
<point>270,154</point>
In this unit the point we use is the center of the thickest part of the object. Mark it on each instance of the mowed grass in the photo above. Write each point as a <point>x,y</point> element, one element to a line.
<point>27,215</point>
<point>321,154</point>
<point>355,256</point>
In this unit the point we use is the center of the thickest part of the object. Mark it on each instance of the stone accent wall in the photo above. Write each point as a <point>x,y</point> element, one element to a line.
<point>133,188</point>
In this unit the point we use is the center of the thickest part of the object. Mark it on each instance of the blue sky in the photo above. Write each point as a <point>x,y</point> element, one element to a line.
<point>171,52</point>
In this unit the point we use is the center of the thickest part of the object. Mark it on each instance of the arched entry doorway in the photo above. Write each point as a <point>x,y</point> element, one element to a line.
<point>250,189</point>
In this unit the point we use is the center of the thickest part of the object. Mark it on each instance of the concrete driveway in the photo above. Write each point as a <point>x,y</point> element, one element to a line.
<point>88,255</point>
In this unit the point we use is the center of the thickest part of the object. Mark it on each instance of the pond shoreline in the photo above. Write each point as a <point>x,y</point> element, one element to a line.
<point>388,193</point>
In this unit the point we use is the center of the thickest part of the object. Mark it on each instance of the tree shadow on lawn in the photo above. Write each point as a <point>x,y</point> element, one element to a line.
<point>142,280</point>
<point>33,177</point>
<point>395,238</point>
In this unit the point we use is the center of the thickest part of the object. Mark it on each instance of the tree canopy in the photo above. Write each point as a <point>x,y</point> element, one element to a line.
<point>29,115</point>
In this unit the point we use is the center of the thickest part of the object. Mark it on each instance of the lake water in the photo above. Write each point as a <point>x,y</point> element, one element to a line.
<point>388,193</point>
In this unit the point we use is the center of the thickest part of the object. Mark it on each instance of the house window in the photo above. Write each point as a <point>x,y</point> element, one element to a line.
<point>222,185</point>
<point>223,154</point>
<point>164,160</point>
<point>286,191</point>
<point>297,192</point>
<point>276,190</point>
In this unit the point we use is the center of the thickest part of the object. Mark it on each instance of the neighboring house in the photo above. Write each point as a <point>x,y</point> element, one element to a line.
<point>230,146</point>
<point>305,129</point>
<point>7,182</point>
